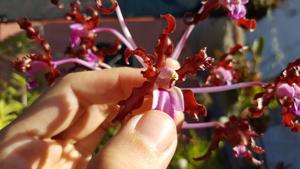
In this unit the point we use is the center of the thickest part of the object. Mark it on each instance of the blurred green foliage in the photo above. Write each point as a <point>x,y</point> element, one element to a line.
<point>14,98</point>
<point>15,45</point>
<point>194,147</point>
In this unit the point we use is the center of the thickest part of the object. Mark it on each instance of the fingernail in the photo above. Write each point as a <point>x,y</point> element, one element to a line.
<point>157,130</point>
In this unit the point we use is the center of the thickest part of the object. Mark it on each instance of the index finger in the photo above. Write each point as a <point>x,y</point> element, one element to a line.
<point>57,108</point>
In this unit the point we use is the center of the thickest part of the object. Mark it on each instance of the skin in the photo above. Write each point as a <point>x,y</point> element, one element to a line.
<point>63,128</point>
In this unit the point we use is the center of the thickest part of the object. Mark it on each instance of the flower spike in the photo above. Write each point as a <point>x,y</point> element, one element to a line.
<point>36,63</point>
<point>32,33</point>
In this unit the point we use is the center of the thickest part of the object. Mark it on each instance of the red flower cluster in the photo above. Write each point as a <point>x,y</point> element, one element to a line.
<point>240,134</point>
<point>286,88</point>
<point>236,10</point>
<point>82,36</point>
<point>223,72</point>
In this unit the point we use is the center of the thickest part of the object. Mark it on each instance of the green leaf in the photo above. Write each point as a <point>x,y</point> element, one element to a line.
<point>258,46</point>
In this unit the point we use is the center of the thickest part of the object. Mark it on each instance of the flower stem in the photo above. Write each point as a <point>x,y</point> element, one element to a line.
<point>225,87</point>
<point>184,37</point>
<point>79,61</point>
<point>202,125</point>
<point>124,27</point>
<point>127,33</point>
<point>117,34</point>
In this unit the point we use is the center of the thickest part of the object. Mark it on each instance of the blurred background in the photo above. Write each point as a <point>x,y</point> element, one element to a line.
<point>275,43</point>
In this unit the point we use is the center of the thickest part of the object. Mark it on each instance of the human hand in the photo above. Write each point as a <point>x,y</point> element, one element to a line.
<point>63,128</point>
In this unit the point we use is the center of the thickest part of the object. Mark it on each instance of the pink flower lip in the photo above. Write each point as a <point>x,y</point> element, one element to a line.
<point>240,151</point>
<point>290,91</point>
<point>285,90</point>
<point>77,31</point>
<point>36,67</point>
<point>237,9</point>
<point>168,101</point>
<point>92,58</point>
<point>166,78</point>
<point>224,74</point>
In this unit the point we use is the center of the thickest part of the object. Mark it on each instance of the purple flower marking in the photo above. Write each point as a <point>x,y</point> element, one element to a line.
<point>284,90</point>
<point>35,68</point>
<point>91,57</point>
<point>225,75</point>
<point>31,84</point>
<point>167,97</point>
<point>168,101</point>
<point>77,31</point>
<point>240,151</point>
<point>237,9</point>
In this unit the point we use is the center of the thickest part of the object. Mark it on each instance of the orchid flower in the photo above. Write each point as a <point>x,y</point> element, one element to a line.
<point>240,134</point>
<point>223,73</point>
<point>286,89</point>
<point>236,8</point>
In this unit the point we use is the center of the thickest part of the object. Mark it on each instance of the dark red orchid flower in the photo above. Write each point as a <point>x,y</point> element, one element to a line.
<point>223,73</point>
<point>236,11</point>
<point>161,80</point>
<point>82,38</point>
<point>240,134</point>
<point>286,88</point>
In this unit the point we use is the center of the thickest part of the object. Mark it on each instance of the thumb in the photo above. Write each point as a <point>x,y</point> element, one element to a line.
<point>146,141</point>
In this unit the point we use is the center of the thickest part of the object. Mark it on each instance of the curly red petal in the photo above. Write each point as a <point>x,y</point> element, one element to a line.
<point>93,21</point>
<point>171,23</point>
<point>74,13</point>
<point>245,23</point>
<point>134,101</point>
<point>105,10</point>
<point>232,51</point>
<point>209,6</point>
<point>164,47</point>
<point>151,72</point>
<point>289,120</point>
<point>194,109</point>
<point>192,65</point>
